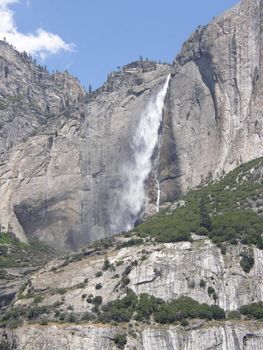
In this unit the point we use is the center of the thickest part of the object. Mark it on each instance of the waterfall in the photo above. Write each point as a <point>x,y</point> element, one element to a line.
<point>132,198</point>
<point>158,196</point>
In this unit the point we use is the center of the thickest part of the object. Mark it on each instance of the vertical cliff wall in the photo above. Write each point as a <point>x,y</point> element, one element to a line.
<point>60,184</point>
<point>213,118</point>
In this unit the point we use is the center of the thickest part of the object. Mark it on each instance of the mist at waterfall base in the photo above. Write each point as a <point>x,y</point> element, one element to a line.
<point>132,199</point>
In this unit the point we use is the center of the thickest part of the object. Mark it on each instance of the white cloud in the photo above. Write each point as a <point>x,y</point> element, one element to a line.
<point>41,43</point>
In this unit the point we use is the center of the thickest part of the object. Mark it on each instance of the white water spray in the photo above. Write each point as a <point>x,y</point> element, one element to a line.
<point>158,196</point>
<point>133,198</point>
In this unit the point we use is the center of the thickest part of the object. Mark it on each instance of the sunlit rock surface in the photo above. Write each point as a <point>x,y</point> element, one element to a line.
<point>60,185</point>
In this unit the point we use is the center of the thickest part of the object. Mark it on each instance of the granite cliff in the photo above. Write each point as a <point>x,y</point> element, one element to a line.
<point>69,147</point>
<point>186,277</point>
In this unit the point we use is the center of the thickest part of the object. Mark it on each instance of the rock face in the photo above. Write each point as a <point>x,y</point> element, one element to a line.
<point>60,184</point>
<point>214,118</point>
<point>215,337</point>
<point>30,97</point>
<point>167,271</point>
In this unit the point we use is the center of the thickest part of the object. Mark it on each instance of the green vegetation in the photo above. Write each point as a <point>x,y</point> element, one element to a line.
<point>18,313</point>
<point>254,310</point>
<point>247,260</point>
<point>103,244</point>
<point>234,315</point>
<point>223,211</point>
<point>94,300</point>
<point>98,286</point>
<point>205,220</point>
<point>4,345</point>
<point>202,283</point>
<point>43,322</point>
<point>131,242</point>
<point>14,253</point>
<point>108,266</point>
<point>60,291</point>
<point>120,340</point>
<point>210,290</point>
<point>143,307</point>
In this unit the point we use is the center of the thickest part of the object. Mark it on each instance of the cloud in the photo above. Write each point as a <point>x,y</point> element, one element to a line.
<point>41,43</point>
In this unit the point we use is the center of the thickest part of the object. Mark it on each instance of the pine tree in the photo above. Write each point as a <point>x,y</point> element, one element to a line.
<point>205,220</point>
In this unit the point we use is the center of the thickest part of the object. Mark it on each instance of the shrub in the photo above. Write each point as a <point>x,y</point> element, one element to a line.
<point>132,242</point>
<point>120,340</point>
<point>146,305</point>
<point>3,274</point>
<point>97,300</point>
<point>43,322</point>
<point>98,274</point>
<point>210,290</point>
<point>35,311</point>
<point>186,307</point>
<point>61,316</point>
<point>38,298</point>
<point>254,310</point>
<point>59,291</point>
<point>90,298</point>
<point>202,283</point>
<point>247,260</point>
<point>98,286</point>
<point>57,304</point>
<point>119,263</point>
<point>87,316</point>
<point>71,317</point>
<point>4,345</point>
<point>125,281</point>
<point>120,310</point>
<point>205,220</point>
<point>201,231</point>
<point>223,249</point>
<point>106,265</point>
<point>217,312</point>
<point>215,297</point>
<point>143,307</point>
<point>3,249</point>
<point>234,315</point>
<point>184,323</point>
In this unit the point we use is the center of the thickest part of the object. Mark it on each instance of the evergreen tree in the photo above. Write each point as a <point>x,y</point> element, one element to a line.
<point>205,220</point>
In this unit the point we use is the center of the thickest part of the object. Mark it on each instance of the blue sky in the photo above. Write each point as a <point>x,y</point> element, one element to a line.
<point>90,38</point>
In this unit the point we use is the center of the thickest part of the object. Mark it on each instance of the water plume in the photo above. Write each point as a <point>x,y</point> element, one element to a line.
<point>132,198</point>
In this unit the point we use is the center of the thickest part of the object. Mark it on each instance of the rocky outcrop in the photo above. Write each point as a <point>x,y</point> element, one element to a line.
<point>167,271</point>
<point>221,336</point>
<point>30,97</point>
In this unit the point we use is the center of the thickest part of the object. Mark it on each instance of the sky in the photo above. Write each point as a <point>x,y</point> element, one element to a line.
<point>91,38</point>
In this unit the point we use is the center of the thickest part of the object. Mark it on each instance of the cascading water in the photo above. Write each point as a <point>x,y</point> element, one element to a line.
<point>158,196</point>
<point>135,172</point>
